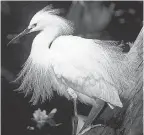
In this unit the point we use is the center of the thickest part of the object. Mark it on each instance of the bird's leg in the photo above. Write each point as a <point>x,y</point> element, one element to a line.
<point>96,109</point>
<point>75,118</point>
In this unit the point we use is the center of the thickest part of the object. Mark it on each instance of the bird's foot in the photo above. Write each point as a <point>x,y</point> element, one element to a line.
<point>74,125</point>
<point>75,117</point>
<point>96,109</point>
<point>89,128</point>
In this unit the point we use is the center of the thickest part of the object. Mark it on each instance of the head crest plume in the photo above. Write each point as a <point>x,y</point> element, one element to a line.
<point>49,9</point>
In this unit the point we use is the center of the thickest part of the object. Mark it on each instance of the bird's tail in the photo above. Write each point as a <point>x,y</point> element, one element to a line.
<point>136,52</point>
<point>133,62</point>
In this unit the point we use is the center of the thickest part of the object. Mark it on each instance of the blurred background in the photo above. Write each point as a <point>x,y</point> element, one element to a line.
<point>107,20</point>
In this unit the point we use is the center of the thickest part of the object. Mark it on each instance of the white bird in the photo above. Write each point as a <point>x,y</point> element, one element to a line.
<point>88,70</point>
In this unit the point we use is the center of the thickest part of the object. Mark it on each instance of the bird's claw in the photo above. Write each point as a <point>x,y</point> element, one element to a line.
<point>75,124</point>
<point>88,128</point>
<point>96,109</point>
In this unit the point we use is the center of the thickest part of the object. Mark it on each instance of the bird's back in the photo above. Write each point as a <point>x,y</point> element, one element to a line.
<point>87,67</point>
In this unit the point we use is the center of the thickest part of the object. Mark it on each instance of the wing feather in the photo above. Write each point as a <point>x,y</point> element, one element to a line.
<point>87,67</point>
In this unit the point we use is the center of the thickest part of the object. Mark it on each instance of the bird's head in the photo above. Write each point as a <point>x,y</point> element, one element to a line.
<point>42,19</point>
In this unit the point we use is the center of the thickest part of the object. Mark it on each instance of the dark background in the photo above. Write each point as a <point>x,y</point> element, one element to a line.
<point>16,110</point>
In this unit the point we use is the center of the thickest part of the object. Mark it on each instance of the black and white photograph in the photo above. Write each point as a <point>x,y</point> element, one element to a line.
<point>72,67</point>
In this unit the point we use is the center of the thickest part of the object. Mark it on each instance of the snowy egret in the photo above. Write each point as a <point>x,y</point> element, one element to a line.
<point>77,68</point>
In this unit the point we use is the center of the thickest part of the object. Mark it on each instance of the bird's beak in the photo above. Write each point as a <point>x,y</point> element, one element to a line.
<point>26,31</point>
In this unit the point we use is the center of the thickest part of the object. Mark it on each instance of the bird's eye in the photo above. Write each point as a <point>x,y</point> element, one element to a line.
<point>34,25</point>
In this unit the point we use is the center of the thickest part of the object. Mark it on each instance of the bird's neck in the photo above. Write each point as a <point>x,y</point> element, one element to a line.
<point>43,41</point>
<point>41,45</point>
<point>49,34</point>
<point>40,51</point>
<point>45,38</point>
